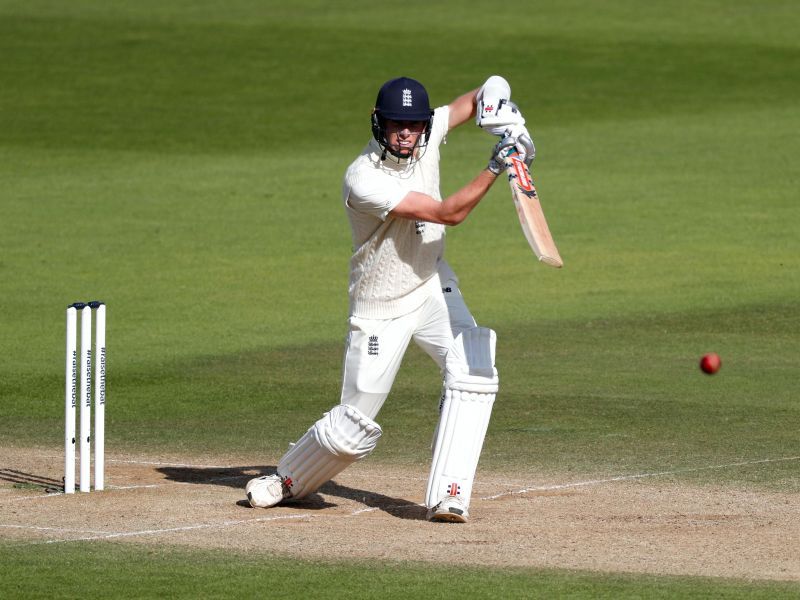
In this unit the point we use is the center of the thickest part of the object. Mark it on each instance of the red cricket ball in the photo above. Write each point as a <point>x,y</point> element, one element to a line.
<point>710,363</point>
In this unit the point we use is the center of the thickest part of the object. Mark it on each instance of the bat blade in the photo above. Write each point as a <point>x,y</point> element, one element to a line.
<point>529,211</point>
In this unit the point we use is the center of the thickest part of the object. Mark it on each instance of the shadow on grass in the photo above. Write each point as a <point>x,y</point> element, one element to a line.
<point>237,477</point>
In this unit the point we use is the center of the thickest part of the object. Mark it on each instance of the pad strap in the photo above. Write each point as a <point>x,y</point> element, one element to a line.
<point>341,437</point>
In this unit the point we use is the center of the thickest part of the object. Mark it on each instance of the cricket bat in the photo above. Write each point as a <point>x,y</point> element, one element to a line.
<point>529,211</point>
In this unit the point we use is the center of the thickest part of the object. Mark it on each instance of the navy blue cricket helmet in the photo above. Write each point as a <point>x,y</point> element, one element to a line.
<point>401,99</point>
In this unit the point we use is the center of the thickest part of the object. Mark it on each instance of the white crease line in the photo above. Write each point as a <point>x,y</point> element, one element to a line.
<point>127,487</point>
<point>212,480</point>
<point>77,494</point>
<point>58,529</point>
<point>362,511</point>
<point>124,534</point>
<point>167,464</point>
<point>374,508</point>
<point>563,486</point>
<point>147,462</point>
<point>38,497</point>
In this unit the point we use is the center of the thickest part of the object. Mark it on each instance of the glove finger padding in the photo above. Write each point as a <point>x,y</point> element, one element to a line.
<point>497,162</point>
<point>524,144</point>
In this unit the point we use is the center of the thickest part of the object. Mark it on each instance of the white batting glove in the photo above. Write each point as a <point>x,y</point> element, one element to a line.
<point>524,143</point>
<point>502,119</point>
<point>490,98</point>
<point>497,115</point>
<point>497,162</point>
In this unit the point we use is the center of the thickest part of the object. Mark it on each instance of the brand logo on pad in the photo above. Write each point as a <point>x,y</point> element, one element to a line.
<point>372,346</point>
<point>454,489</point>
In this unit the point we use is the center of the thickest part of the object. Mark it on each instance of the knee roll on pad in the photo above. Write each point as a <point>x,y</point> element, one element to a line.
<point>341,437</point>
<point>471,384</point>
<point>469,365</point>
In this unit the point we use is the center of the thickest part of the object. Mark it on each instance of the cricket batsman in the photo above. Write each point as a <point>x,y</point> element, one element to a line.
<point>401,288</point>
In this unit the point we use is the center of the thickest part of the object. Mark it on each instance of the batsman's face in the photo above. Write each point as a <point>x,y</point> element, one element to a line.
<point>403,136</point>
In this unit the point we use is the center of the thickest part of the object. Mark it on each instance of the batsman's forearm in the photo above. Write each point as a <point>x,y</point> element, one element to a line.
<point>462,109</point>
<point>456,207</point>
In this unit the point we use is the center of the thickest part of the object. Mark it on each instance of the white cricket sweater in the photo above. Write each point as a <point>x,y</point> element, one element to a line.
<point>394,264</point>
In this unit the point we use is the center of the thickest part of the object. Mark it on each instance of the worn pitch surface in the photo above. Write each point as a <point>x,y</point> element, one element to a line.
<point>640,523</point>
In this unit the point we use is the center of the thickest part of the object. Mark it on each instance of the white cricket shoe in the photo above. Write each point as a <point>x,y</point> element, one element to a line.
<point>266,491</point>
<point>449,510</point>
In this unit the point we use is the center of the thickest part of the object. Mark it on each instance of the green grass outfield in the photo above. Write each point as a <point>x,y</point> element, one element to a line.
<point>119,571</point>
<point>182,161</point>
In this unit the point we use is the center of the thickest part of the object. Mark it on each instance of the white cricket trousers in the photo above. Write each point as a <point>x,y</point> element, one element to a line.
<point>375,347</point>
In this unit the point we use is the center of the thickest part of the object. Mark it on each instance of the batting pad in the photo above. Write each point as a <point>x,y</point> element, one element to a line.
<point>471,383</point>
<point>341,437</point>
